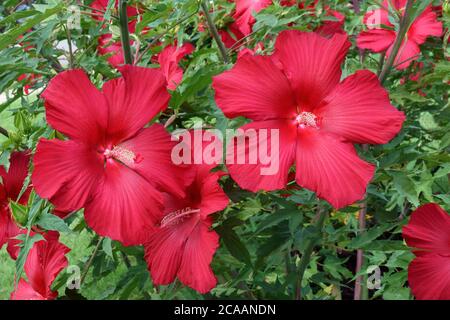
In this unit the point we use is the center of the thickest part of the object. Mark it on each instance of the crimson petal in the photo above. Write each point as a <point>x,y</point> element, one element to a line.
<point>75,107</point>
<point>254,88</point>
<point>331,167</point>
<point>359,110</point>
<point>125,206</point>
<point>134,99</point>
<point>312,75</point>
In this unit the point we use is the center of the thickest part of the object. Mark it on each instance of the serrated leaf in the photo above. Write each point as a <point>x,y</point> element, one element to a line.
<point>234,244</point>
<point>49,221</point>
<point>12,35</point>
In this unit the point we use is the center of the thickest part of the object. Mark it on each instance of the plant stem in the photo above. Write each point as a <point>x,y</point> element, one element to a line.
<point>124,32</point>
<point>306,257</point>
<point>91,259</point>
<point>69,42</point>
<point>403,29</point>
<point>215,33</point>
<point>357,295</point>
<point>381,63</point>
<point>4,132</point>
<point>356,6</point>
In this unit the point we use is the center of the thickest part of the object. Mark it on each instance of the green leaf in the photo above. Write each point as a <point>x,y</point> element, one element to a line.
<point>12,18</point>
<point>366,238</point>
<point>28,243</point>
<point>406,187</point>
<point>427,121</point>
<point>107,247</point>
<point>19,212</point>
<point>12,35</point>
<point>234,244</point>
<point>49,221</point>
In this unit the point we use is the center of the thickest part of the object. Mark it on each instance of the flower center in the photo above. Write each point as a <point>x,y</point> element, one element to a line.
<point>127,157</point>
<point>307,119</point>
<point>178,216</point>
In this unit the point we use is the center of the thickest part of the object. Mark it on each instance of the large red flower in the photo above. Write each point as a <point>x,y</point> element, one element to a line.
<point>111,48</point>
<point>183,246</point>
<point>231,36</point>
<point>101,6</point>
<point>45,261</point>
<point>111,165</point>
<point>298,92</point>
<point>107,45</point>
<point>380,36</point>
<point>244,13</point>
<point>168,60</point>
<point>13,181</point>
<point>428,233</point>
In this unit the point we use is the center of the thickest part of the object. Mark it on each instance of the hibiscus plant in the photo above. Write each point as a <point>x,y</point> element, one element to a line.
<point>226,149</point>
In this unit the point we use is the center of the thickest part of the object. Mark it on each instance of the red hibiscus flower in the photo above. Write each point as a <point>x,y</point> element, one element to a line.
<point>13,181</point>
<point>111,165</point>
<point>112,48</point>
<point>183,246</point>
<point>106,44</point>
<point>380,36</point>
<point>232,36</point>
<point>428,233</point>
<point>29,80</point>
<point>258,47</point>
<point>44,262</point>
<point>244,21</point>
<point>244,13</point>
<point>169,58</point>
<point>102,5</point>
<point>298,92</point>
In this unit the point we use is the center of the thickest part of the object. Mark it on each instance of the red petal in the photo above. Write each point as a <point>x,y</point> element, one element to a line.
<point>244,13</point>
<point>195,270</point>
<point>408,52</point>
<point>125,205</point>
<point>376,40</point>
<point>134,99</point>
<point>14,179</point>
<point>75,107</point>
<point>428,229</point>
<point>164,250</point>
<point>65,172</point>
<point>8,231</point>
<point>44,262</point>
<point>114,49</point>
<point>213,199</point>
<point>254,88</point>
<point>153,148</point>
<point>360,111</point>
<point>25,291</point>
<point>429,277</point>
<point>169,58</point>
<point>184,249</point>
<point>331,168</point>
<point>424,26</point>
<point>312,75</point>
<point>248,176</point>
